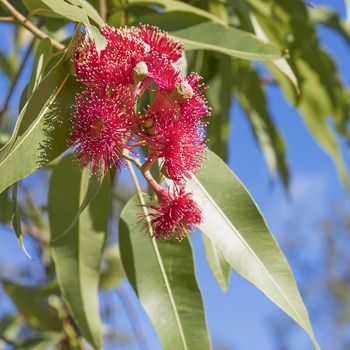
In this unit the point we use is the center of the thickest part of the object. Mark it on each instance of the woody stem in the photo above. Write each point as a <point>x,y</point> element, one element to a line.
<point>146,172</point>
<point>29,25</point>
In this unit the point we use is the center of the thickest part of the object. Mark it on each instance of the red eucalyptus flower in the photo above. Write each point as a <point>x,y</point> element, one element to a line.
<point>161,43</point>
<point>179,143</point>
<point>175,216</point>
<point>106,119</point>
<point>101,126</point>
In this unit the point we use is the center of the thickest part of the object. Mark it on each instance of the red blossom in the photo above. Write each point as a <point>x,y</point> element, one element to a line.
<point>175,216</point>
<point>101,126</point>
<point>136,60</point>
<point>161,43</point>
<point>163,73</point>
<point>179,142</point>
<point>114,64</point>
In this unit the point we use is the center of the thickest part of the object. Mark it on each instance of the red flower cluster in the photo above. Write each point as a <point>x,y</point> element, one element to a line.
<point>107,124</point>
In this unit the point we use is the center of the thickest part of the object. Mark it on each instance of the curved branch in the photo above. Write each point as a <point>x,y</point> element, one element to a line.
<point>29,25</point>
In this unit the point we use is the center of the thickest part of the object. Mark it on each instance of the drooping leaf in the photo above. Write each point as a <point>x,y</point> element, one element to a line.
<point>315,69</point>
<point>235,225</point>
<point>163,277</point>
<point>197,34</point>
<point>219,95</point>
<point>177,6</point>
<point>281,63</point>
<point>16,220</point>
<point>5,207</point>
<point>328,17</point>
<point>99,39</point>
<point>32,303</point>
<point>315,106</point>
<point>93,186</point>
<point>42,56</point>
<point>77,254</point>
<point>73,10</point>
<point>219,267</point>
<point>38,7</point>
<point>252,98</point>
<point>89,10</point>
<point>68,11</point>
<point>42,127</point>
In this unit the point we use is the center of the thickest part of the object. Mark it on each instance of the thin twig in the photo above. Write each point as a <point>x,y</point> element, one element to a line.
<point>6,19</point>
<point>133,160</point>
<point>133,318</point>
<point>103,9</point>
<point>15,80</point>
<point>29,25</point>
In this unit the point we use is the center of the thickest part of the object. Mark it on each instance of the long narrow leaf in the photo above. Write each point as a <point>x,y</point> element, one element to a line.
<point>16,220</point>
<point>197,34</point>
<point>233,222</point>
<point>163,277</point>
<point>42,127</point>
<point>77,254</point>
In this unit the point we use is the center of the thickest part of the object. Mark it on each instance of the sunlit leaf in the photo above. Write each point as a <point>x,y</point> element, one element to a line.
<point>252,98</point>
<point>235,225</point>
<point>219,267</point>
<point>42,56</point>
<point>163,277</point>
<point>219,94</point>
<point>16,220</point>
<point>5,207</point>
<point>89,10</point>
<point>177,6</point>
<point>328,17</point>
<point>78,253</point>
<point>199,35</point>
<point>42,128</point>
<point>68,11</point>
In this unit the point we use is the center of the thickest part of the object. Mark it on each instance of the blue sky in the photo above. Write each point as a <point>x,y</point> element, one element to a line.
<point>240,319</point>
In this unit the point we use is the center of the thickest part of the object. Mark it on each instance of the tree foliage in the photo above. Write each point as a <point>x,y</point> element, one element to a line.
<point>224,40</point>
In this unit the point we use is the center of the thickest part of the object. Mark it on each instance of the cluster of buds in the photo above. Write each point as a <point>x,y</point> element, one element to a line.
<point>108,123</point>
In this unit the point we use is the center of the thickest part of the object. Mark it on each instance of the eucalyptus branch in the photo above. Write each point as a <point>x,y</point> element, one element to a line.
<point>138,144</point>
<point>135,161</point>
<point>29,25</point>
<point>6,19</point>
<point>145,169</point>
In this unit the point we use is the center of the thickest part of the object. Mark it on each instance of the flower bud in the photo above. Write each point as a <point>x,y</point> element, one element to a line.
<point>181,92</point>
<point>139,72</point>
